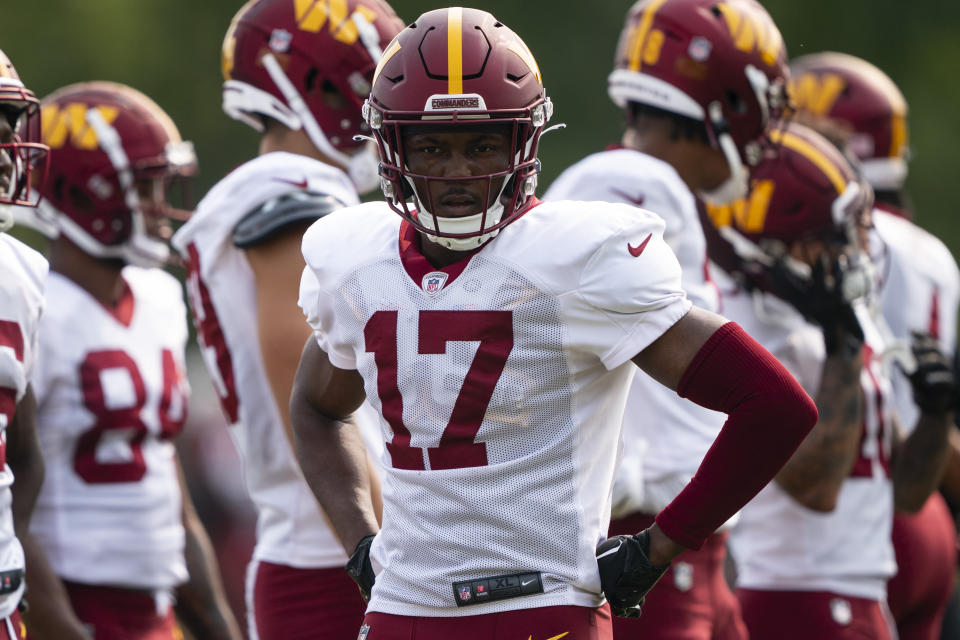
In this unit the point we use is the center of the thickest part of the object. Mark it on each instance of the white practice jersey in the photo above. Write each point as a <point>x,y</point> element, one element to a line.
<point>291,529</point>
<point>111,394</point>
<point>920,291</point>
<point>665,436</point>
<point>501,381</point>
<point>23,272</point>
<point>779,544</point>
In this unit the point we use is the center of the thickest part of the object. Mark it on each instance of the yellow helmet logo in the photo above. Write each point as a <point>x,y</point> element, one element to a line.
<point>753,32</point>
<point>69,122</point>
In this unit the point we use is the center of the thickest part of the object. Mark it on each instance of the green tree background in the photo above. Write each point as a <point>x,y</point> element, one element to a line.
<point>170,50</point>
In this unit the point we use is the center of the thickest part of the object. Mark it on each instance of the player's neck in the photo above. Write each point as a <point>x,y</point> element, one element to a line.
<point>438,255</point>
<point>280,138</point>
<point>682,155</point>
<point>100,278</point>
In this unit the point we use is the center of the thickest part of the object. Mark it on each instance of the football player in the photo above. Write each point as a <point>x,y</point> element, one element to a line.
<point>861,109</point>
<point>494,334</point>
<point>114,515</point>
<point>21,303</point>
<point>813,549</point>
<point>688,134</point>
<point>299,75</point>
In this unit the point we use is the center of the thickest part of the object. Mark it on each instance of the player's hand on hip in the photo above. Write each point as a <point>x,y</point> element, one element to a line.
<point>626,573</point>
<point>360,569</point>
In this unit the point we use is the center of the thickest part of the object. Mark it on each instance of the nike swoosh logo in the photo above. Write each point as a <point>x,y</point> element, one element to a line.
<point>634,200</point>
<point>523,584</point>
<point>636,251</point>
<point>562,635</point>
<point>300,184</point>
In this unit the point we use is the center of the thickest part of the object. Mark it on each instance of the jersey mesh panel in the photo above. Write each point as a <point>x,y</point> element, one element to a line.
<point>518,513</point>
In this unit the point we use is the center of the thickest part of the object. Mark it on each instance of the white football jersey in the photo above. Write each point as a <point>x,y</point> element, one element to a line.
<point>919,291</point>
<point>779,544</point>
<point>291,529</point>
<point>665,436</point>
<point>22,275</point>
<point>111,394</point>
<point>501,382</point>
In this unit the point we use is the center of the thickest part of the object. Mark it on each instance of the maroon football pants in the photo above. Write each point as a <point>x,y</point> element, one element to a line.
<point>805,615</point>
<point>11,627</point>
<point>692,601</point>
<point>545,623</point>
<point>925,544</point>
<point>295,604</point>
<point>114,613</point>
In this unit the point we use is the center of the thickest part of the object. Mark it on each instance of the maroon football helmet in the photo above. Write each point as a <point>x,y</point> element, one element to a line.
<point>309,65</point>
<point>858,105</point>
<point>113,153</point>
<point>456,67</point>
<point>808,190</point>
<point>721,62</point>
<point>20,148</point>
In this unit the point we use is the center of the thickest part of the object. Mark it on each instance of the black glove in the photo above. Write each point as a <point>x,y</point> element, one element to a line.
<point>360,569</point>
<point>821,301</point>
<point>934,388</point>
<point>626,574</point>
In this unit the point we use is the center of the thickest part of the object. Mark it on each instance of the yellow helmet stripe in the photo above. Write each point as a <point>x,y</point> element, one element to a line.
<point>455,50</point>
<point>385,58</point>
<point>640,34</point>
<point>812,154</point>
<point>898,135</point>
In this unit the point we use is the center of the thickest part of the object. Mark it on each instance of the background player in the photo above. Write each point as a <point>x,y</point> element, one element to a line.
<point>113,516</point>
<point>498,357</point>
<point>813,550</point>
<point>675,146</point>
<point>299,77</point>
<point>863,112</point>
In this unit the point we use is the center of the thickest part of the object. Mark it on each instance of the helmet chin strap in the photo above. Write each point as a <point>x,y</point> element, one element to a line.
<point>734,187</point>
<point>466,224</point>
<point>361,169</point>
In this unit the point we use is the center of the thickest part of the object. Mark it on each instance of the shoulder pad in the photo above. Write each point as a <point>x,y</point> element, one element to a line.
<point>277,213</point>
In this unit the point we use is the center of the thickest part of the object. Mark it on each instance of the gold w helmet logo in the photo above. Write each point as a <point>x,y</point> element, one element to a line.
<point>752,31</point>
<point>69,122</point>
<point>746,214</point>
<point>312,15</point>
<point>817,93</point>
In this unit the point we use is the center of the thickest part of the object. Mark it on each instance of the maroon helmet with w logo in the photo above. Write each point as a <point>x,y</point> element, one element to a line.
<point>308,65</point>
<point>861,107</point>
<point>722,62</point>
<point>113,152</point>
<point>20,147</point>
<point>452,68</point>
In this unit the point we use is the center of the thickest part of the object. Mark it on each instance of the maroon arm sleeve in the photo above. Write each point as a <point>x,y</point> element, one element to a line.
<point>769,415</point>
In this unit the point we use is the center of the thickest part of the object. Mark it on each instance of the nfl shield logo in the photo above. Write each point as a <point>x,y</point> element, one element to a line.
<point>700,49</point>
<point>364,630</point>
<point>464,593</point>
<point>433,282</point>
<point>280,40</point>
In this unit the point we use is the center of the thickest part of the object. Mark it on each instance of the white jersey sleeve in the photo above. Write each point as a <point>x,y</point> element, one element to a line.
<point>22,276</point>
<point>640,180</point>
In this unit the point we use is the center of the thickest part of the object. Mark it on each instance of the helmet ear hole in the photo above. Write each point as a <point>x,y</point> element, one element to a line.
<point>736,104</point>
